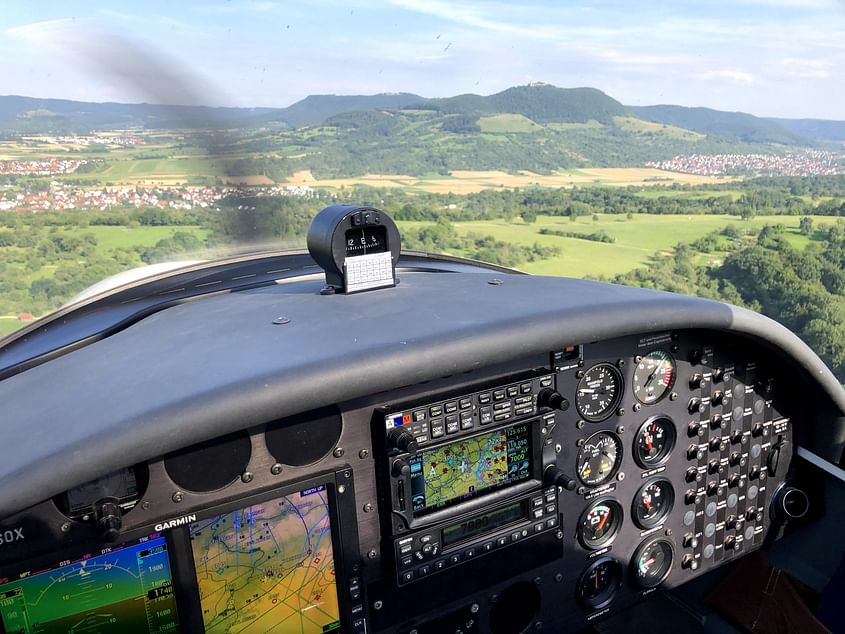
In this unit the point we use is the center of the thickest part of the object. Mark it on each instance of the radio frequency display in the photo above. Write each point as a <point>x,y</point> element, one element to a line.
<point>268,567</point>
<point>469,467</point>
<point>127,589</point>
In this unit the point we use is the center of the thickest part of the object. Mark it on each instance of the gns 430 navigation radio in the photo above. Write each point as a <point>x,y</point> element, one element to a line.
<point>476,485</point>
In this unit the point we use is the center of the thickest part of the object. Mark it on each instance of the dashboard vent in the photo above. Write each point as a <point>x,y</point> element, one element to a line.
<point>305,438</point>
<point>210,465</point>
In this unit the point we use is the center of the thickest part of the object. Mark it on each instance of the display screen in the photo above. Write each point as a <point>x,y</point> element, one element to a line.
<point>268,567</point>
<point>448,474</point>
<point>128,588</point>
<point>484,523</point>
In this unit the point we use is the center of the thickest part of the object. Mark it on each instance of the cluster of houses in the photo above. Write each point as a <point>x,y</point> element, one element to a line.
<point>807,163</point>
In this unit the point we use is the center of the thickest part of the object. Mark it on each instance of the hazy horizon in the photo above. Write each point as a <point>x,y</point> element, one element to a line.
<point>771,58</point>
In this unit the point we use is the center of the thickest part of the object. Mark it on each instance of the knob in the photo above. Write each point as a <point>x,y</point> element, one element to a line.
<point>735,458</point>
<point>690,541</point>
<point>555,476</point>
<point>689,563</point>
<point>716,444</point>
<point>790,503</point>
<point>402,440</point>
<point>736,437</point>
<point>694,428</point>
<point>696,381</point>
<point>733,480</point>
<point>757,429</point>
<point>696,405</point>
<point>712,488</point>
<point>718,398</point>
<point>730,542</point>
<point>718,374</point>
<point>751,515</point>
<point>754,472</point>
<point>717,422</point>
<point>107,517</point>
<point>693,452</point>
<point>400,468</point>
<point>691,497</point>
<point>734,522</point>
<point>713,467</point>
<point>552,399</point>
<point>691,475</point>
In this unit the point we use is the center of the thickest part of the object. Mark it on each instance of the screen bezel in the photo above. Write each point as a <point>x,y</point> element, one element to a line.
<point>482,500</point>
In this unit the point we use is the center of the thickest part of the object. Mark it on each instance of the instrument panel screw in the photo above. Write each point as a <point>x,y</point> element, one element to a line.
<point>495,282</point>
<point>620,411</point>
<point>281,321</point>
<point>668,532</point>
<point>558,577</point>
<point>538,625</point>
<point>377,604</point>
<point>65,527</point>
<point>621,476</point>
<point>620,429</point>
<point>620,363</point>
<point>145,505</point>
<point>341,489</point>
<point>637,407</point>
<point>580,442</point>
<point>363,453</point>
<point>579,374</point>
<point>276,469</point>
<point>247,476</point>
<point>637,359</point>
<point>673,396</point>
<point>177,497</point>
<point>580,424</point>
<point>372,554</point>
<point>559,535</point>
<point>582,490</point>
<point>558,448</point>
<point>368,508</point>
<point>494,598</point>
<point>537,581</point>
<point>338,452</point>
<point>474,608</point>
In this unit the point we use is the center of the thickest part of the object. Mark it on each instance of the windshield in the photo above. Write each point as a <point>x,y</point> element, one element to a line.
<point>696,148</point>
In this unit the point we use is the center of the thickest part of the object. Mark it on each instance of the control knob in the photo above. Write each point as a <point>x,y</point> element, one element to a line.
<point>712,488</point>
<point>718,375</point>
<point>733,480</point>
<point>689,563</point>
<point>691,475</point>
<point>402,440</point>
<point>555,476</point>
<point>690,541</point>
<point>107,517</point>
<point>552,399</point>
<point>757,429</point>
<point>696,405</point>
<point>696,381</point>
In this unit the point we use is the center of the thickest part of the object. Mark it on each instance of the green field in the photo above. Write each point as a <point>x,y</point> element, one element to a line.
<point>508,123</point>
<point>637,240</point>
<point>110,238</point>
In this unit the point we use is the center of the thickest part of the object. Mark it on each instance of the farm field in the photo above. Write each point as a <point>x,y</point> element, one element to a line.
<point>470,181</point>
<point>637,240</point>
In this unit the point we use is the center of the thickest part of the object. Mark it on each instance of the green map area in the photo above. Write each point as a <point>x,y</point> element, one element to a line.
<point>463,468</point>
<point>268,567</point>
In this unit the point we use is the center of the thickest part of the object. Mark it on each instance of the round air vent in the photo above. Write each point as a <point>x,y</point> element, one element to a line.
<point>210,465</point>
<point>305,438</point>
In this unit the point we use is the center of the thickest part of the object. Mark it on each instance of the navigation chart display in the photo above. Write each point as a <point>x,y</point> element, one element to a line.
<point>448,474</point>
<point>268,567</point>
<point>127,589</point>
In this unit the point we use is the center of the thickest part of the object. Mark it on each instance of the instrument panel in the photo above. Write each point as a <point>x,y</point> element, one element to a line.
<point>556,489</point>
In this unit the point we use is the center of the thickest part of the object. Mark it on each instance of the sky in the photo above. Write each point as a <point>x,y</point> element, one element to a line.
<point>768,57</point>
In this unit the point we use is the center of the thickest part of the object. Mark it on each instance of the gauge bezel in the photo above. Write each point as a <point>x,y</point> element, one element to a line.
<point>668,387</point>
<point>602,601</point>
<point>635,560</point>
<point>667,509</point>
<point>620,453</point>
<point>608,538</point>
<point>617,399</point>
<point>672,438</point>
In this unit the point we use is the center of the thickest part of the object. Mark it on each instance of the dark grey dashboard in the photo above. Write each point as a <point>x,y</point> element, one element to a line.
<point>280,391</point>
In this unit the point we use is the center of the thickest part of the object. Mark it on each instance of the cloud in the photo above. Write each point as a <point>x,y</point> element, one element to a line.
<point>730,74</point>
<point>39,31</point>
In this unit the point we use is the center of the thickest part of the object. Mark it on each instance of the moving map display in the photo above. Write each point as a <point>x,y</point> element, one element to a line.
<point>268,567</point>
<point>468,467</point>
<point>127,589</point>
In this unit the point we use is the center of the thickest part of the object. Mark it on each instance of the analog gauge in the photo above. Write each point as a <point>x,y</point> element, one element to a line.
<point>654,377</point>
<point>600,523</point>
<point>599,458</point>
<point>652,562</point>
<point>653,502</point>
<point>599,582</point>
<point>599,392</point>
<point>654,442</point>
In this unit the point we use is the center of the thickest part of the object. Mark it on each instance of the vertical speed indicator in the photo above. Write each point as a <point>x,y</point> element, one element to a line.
<point>654,376</point>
